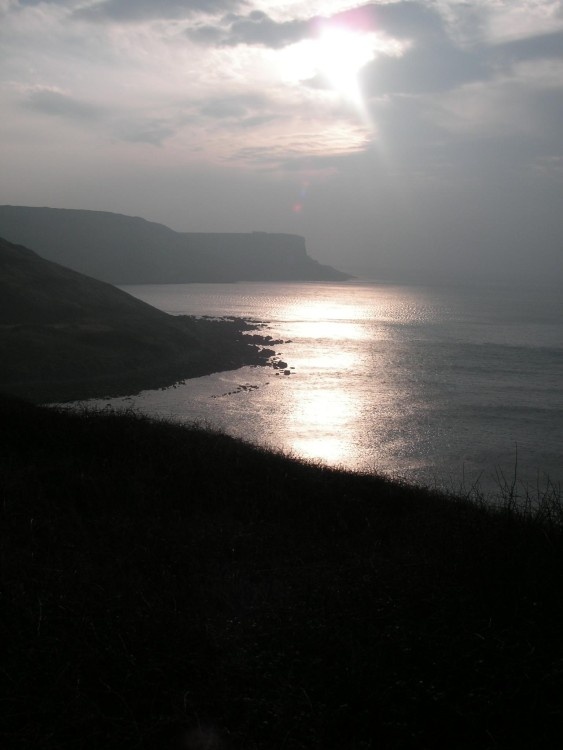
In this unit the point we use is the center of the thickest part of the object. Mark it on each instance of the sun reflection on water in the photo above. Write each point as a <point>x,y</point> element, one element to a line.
<point>418,383</point>
<point>329,329</point>
<point>331,361</point>
<point>320,423</point>
<point>326,409</point>
<point>317,310</point>
<point>321,319</point>
<point>323,415</point>
<point>328,450</point>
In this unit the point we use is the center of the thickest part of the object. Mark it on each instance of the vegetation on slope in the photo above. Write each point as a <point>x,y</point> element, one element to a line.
<point>67,336</point>
<point>164,586</point>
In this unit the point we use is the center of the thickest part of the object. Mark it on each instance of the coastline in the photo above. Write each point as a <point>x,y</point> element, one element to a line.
<point>203,346</point>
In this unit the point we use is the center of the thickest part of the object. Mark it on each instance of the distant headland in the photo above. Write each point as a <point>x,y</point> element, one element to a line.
<point>129,250</point>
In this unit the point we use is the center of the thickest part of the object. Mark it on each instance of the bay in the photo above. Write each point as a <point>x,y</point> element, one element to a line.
<point>443,386</point>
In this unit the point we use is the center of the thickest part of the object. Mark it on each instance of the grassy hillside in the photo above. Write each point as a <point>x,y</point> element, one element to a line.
<point>164,587</point>
<point>130,250</point>
<point>67,336</point>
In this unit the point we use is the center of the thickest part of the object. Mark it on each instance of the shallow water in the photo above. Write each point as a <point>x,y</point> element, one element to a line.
<point>437,385</point>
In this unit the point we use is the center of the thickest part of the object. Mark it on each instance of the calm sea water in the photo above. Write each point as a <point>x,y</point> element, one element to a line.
<point>437,385</point>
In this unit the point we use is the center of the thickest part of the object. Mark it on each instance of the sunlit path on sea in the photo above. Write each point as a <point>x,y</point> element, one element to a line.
<point>437,385</point>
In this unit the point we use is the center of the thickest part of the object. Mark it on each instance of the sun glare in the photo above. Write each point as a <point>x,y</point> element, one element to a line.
<point>336,56</point>
<point>340,55</point>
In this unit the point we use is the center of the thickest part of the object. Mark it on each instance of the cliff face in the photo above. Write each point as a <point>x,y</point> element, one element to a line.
<point>130,250</point>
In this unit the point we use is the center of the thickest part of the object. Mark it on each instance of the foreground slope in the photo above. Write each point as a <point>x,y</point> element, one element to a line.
<point>64,335</point>
<point>161,583</point>
<point>130,250</point>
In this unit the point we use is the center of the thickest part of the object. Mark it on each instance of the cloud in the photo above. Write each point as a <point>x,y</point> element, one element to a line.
<point>257,28</point>
<point>47,2</point>
<point>50,101</point>
<point>244,111</point>
<point>424,68</point>
<point>399,19</point>
<point>152,131</point>
<point>540,47</point>
<point>458,136</point>
<point>142,10</point>
<point>235,107</point>
<point>432,62</point>
<point>124,127</point>
<point>510,21</point>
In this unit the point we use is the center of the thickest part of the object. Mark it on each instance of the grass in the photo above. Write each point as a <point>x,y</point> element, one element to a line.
<point>167,587</point>
<point>540,502</point>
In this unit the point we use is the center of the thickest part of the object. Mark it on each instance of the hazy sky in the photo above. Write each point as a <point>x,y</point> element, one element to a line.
<point>405,139</point>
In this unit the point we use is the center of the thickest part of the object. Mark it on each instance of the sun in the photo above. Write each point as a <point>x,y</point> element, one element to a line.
<point>335,56</point>
<point>339,55</point>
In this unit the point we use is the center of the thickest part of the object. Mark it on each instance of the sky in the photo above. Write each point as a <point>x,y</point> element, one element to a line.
<point>406,141</point>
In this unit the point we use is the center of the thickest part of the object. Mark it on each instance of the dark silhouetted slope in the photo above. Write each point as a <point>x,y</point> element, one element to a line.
<point>129,250</point>
<point>164,587</point>
<point>64,335</point>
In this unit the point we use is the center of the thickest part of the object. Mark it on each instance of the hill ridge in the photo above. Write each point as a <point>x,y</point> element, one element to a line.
<point>65,336</point>
<point>123,249</point>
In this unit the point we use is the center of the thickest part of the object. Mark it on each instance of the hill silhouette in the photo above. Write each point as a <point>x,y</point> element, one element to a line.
<point>130,250</point>
<point>165,587</point>
<point>68,336</point>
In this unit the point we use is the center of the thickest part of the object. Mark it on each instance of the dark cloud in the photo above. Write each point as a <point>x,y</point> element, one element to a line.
<point>402,19</point>
<point>140,10</point>
<point>255,29</point>
<point>425,68</point>
<point>208,36</point>
<point>540,47</point>
<point>259,29</point>
<point>432,62</point>
<point>56,103</point>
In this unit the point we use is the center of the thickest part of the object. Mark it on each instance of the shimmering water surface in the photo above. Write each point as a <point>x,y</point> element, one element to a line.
<point>437,385</point>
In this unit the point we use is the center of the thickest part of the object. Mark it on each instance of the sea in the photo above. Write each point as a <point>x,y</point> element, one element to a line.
<point>450,387</point>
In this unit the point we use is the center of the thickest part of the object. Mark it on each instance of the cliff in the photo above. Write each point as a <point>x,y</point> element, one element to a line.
<point>130,250</point>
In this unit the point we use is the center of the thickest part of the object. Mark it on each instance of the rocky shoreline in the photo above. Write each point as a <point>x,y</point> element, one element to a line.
<point>224,344</point>
<point>68,337</point>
